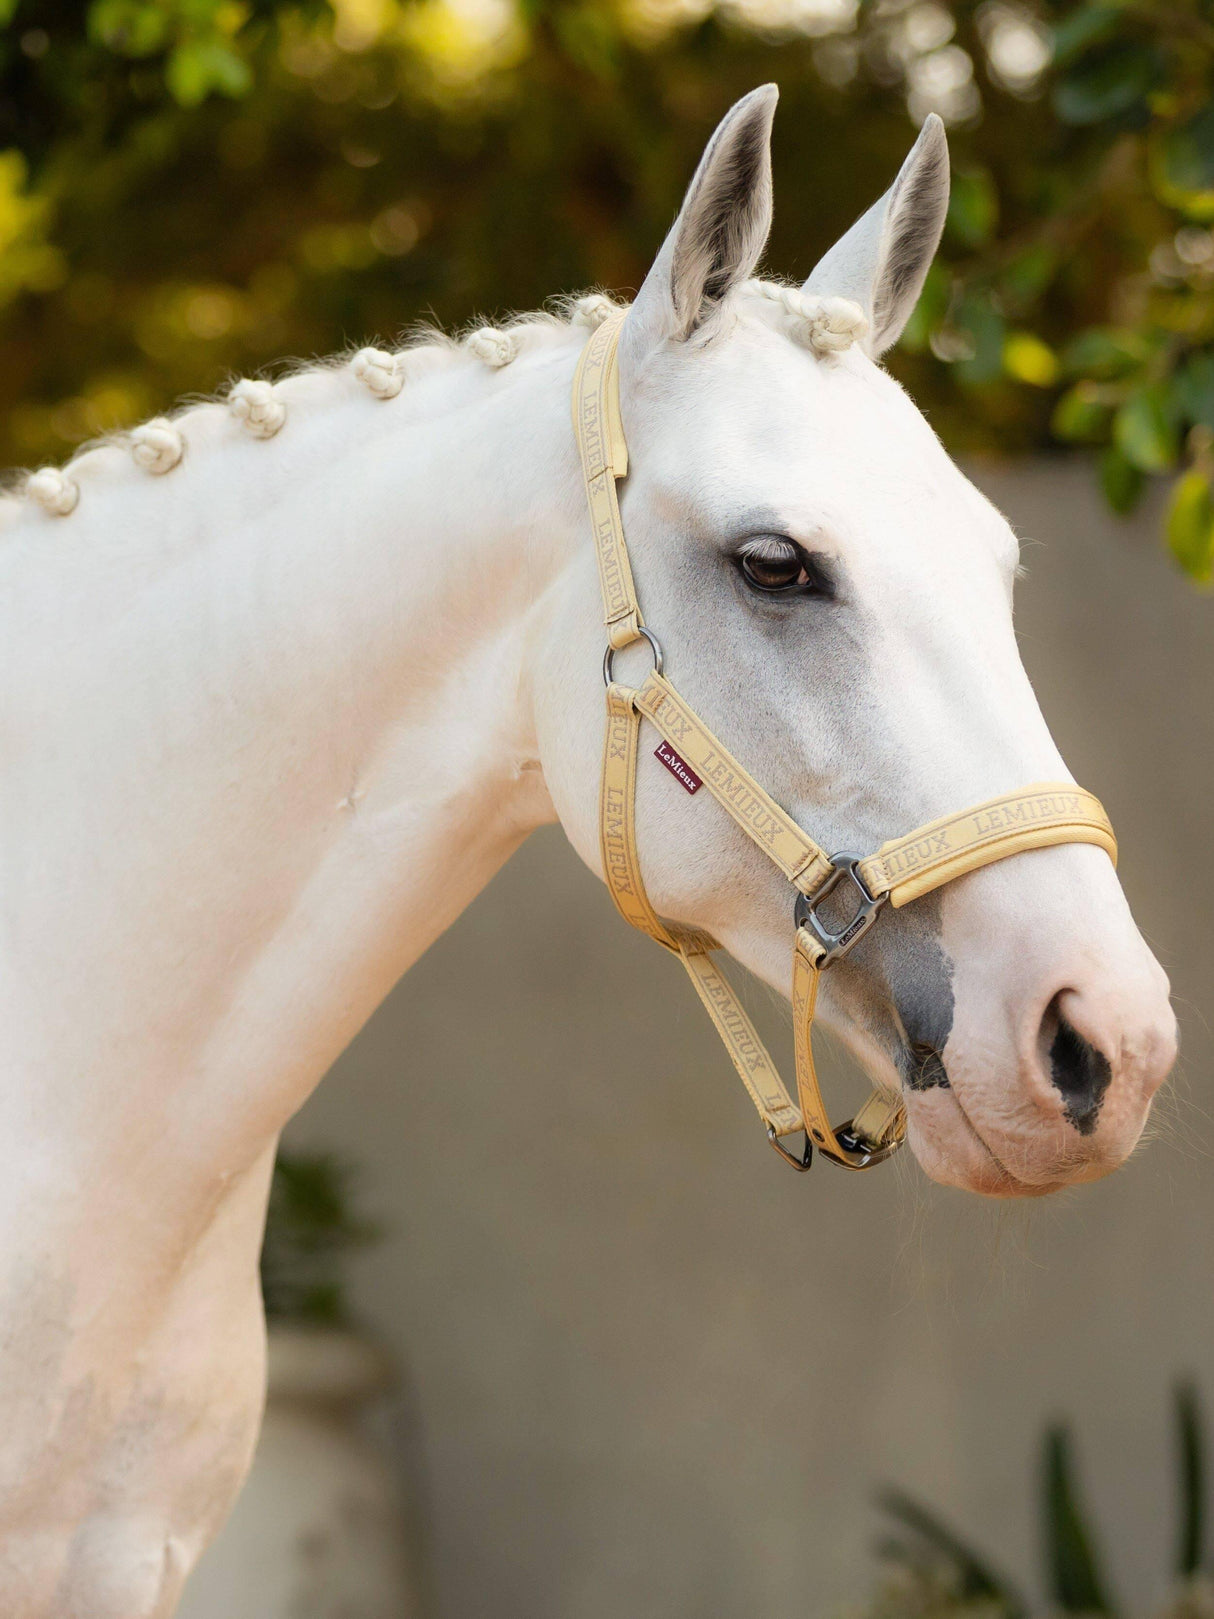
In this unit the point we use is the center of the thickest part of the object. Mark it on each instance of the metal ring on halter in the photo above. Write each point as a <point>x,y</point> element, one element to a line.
<point>654,646</point>
<point>799,1164</point>
<point>805,914</point>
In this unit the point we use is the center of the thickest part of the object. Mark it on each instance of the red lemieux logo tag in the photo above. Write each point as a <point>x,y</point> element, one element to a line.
<point>682,772</point>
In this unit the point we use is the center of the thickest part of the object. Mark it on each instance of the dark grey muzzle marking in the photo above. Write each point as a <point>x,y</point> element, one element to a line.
<point>906,967</point>
<point>1081,1074</point>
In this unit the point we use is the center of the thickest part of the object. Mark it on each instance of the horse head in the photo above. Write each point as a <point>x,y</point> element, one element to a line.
<point>835,598</point>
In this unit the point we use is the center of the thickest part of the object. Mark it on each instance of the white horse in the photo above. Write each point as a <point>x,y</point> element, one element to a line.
<point>286,679</point>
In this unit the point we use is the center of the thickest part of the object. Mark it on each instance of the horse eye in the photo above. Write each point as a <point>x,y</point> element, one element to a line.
<point>778,566</point>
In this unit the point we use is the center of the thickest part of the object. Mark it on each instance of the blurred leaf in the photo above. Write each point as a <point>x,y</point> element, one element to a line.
<point>134,27</point>
<point>1105,352</point>
<point>28,261</point>
<point>1029,360</point>
<point>1189,152</point>
<point>976,1579</point>
<point>1082,416</point>
<point>984,326</point>
<point>1074,1581</point>
<point>1182,165</point>
<point>973,208</point>
<point>930,310</point>
<point>1082,28</point>
<point>199,67</point>
<point>1108,84</point>
<point>1121,482</point>
<point>1190,1433</point>
<point>1144,430</point>
<point>1027,276</point>
<point>587,33</point>
<point>1190,535</point>
<point>1193,389</point>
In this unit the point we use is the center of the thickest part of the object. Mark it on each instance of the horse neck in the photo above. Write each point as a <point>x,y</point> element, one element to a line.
<point>284,733</point>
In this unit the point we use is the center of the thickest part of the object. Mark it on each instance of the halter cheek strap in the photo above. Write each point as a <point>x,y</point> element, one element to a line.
<point>900,871</point>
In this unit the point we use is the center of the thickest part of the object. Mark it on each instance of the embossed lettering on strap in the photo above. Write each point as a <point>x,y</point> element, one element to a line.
<point>600,436</point>
<point>746,1050</point>
<point>1034,818</point>
<point>617,830</point>
<point>621,864</point>
<point>760,817</point>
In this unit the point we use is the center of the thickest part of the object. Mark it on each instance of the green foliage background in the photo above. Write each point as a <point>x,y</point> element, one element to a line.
<point>933,1573</point>
<point>194,188</point>
<point>311,1230</point>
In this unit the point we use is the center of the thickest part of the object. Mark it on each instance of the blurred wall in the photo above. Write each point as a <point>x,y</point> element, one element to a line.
<point>655,1373</point>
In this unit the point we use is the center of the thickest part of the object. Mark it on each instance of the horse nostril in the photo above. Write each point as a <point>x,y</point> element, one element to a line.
<point>1080,1073</point>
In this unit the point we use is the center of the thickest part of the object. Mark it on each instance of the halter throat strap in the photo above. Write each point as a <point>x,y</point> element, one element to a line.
<point>900,871</point>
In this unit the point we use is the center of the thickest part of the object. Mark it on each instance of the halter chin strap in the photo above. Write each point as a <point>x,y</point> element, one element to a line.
<point>900,871</point>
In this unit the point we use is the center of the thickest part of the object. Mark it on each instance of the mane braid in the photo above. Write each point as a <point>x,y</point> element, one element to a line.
<point>824,325</point>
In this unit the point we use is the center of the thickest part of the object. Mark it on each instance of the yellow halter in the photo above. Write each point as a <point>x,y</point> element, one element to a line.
<point>900,871</point>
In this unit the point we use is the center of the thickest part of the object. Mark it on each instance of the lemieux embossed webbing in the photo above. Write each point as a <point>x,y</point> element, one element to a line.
<point>900,871</point>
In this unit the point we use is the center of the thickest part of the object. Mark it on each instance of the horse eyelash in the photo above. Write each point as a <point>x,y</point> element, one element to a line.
<point>769,548</point>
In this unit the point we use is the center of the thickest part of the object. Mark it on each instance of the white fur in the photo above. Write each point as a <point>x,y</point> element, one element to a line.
<point>272,722</point>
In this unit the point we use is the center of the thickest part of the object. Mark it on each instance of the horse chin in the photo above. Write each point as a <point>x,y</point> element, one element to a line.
<point>945,1143</point>
<point>952,1150</point>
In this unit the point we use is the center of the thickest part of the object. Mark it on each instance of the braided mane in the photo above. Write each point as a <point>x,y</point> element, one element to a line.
<point>825,326</point>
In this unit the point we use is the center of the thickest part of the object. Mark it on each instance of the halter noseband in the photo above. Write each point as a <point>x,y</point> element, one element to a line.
<point>900,871</point>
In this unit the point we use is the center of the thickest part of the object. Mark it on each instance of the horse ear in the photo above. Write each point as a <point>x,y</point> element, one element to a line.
<point>883,260</point>
<point>721,230</point>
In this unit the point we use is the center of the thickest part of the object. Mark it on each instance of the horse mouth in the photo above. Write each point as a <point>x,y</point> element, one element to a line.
<point>946,1141</point>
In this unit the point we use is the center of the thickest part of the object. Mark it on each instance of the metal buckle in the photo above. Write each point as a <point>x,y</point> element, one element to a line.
<point>655,646</point>
<point>805,913</point>
<point>868,1152</point>
<point>799,1164</point>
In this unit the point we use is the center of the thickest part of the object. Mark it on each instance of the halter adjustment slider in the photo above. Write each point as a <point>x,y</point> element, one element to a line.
<point>861,1152</point>
<point>805,914</point>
